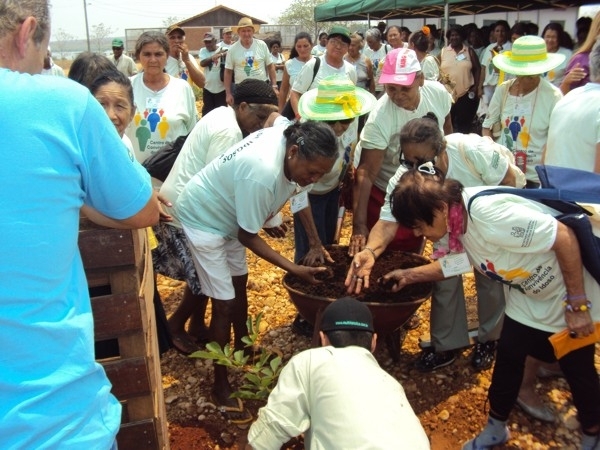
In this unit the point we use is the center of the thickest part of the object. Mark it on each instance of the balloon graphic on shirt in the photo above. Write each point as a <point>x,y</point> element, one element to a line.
<point>153,119</point>
<point>163,127</point>
<point>515,127</point>
<point>508,142</point>
<point>524,136</point>
<point>143,135</point>
<point>249,64</point>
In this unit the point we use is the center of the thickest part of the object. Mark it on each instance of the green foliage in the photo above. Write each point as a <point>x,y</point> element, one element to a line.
<point>261,369</point>
<point>302,12</point>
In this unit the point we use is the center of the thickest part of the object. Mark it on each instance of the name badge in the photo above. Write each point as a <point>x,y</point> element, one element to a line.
<point>455,264</point>
<point>461,57</point>
<point>299,201</point>
<point>151,103</point>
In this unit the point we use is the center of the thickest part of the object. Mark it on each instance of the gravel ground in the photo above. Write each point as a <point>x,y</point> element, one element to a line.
<point>450,402</point>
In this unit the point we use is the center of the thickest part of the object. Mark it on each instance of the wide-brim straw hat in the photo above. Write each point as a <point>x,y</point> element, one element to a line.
<point>528,57</point>
<point>336,98</point>
<point>245,22</point>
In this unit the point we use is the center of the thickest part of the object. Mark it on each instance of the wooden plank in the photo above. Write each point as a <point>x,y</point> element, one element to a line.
<point>116,315</point>
<point>138,435</point>
<point>106,248</point>
<point>129,377</point>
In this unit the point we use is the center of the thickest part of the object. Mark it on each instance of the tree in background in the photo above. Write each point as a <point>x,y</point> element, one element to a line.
<point>61,39</point>
<point>170,21</point>
<point>99,33</point>
<point>302,12</point>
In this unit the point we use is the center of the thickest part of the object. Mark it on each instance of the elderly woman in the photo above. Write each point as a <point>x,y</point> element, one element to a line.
<point>519,243</point>
<point>224,206</point>
<point>376,51</point>
<point>521,107</point>
<point>393,36</point>
<point>165,105</point>
<point>420,42</point>
<point>475,161</point>
<point>460,63</point>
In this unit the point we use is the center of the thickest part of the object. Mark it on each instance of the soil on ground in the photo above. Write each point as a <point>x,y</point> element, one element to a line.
<point>450,402</point>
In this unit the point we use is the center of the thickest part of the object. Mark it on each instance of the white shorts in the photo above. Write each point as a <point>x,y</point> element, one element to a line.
<point>216,260</point>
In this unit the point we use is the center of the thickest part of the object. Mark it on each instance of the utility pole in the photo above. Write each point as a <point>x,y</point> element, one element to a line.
<point>87,28</point>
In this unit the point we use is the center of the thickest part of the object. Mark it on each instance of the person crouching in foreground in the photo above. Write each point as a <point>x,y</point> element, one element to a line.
<point>337,395</point>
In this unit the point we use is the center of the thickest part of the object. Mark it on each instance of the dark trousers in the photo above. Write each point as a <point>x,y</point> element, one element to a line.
<point>517,341</point>
<point>463,112</point>
<point>211,101</point>
<point>325,212</point>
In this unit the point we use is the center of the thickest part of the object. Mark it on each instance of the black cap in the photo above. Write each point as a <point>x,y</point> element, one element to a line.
<point>347,313</point>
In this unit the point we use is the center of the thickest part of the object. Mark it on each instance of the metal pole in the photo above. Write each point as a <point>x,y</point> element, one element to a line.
<point>87,29</point>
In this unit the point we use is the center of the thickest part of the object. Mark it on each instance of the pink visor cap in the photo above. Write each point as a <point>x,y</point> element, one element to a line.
<point>400,67</point>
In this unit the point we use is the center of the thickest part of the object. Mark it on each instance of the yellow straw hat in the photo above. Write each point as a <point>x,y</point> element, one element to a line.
<point>245,22</point>
<point>336,98</point>
<point>528,57</point>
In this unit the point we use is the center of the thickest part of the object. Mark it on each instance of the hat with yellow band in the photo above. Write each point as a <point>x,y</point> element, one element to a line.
<point>528,57</point>
<point>336,98</point>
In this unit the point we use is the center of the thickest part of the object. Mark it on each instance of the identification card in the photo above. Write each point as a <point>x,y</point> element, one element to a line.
<point>299,201</point>
<point>151,103</point>
<point>461,57</point>
<point>455,264</point>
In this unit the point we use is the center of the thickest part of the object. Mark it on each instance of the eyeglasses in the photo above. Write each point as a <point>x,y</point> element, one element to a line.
<point>414,165</point>
<point>338,43</point>
<point>342,121</point>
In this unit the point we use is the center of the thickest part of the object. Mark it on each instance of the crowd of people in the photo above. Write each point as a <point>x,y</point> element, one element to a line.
<point>388,115</point>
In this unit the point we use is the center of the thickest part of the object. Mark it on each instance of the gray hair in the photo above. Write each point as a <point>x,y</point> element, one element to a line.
<point>374,33</point>
<point>150,37</point>
<point>595,63</point>
<point>14,12</point>
<point>314,139</point>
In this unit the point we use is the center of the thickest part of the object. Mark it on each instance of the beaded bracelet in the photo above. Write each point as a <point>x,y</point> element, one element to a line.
<point>577,308</point>
<point>372,252</point>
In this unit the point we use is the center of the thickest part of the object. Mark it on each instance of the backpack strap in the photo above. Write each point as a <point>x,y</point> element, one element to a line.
<point>316,69</point>
<point>553,198</point>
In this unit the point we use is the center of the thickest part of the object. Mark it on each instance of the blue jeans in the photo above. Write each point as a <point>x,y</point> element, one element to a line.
<point>325,212</point>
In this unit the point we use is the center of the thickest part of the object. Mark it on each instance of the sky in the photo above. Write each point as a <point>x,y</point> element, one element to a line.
<point>69,15</point>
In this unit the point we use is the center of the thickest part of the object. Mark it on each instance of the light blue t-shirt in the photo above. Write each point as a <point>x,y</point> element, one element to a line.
<point>59,151</point>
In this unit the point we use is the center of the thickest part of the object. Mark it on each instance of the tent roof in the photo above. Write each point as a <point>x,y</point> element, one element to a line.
<point>391,9</point>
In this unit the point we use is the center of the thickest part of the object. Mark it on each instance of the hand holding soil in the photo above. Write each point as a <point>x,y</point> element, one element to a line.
<point>360,272</point>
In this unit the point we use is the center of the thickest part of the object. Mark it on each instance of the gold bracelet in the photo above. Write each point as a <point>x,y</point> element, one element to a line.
<point>372,252</point>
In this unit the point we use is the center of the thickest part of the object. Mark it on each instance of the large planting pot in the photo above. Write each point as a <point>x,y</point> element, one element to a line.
<point>388,315</point>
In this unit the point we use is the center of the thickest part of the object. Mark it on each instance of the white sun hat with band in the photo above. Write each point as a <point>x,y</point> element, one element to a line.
<point>528,57</point>
<point>336,98</point>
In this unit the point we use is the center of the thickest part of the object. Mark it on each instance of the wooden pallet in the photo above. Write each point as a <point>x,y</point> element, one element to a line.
<point>119,271</point>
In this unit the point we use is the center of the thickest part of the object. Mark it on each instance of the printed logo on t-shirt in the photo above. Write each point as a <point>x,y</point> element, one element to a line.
<point>531,283</point>
<point>151,128</point>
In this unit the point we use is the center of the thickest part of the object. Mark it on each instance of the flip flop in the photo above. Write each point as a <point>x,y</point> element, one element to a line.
<point>183,344</point>
<point>237,415</point>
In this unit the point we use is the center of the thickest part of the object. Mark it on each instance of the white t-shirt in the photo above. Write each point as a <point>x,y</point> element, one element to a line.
<point>177,68</point>
<point>430,68</point>
<point>242,188</point>
<point>293,67</point>
<point>249,62</point>
<point>525,121</point>
<point>491,76</point>
<point>318,50</point>
<point>212,136</point>
<point>490,165</point>
<point>377,58</point>
<point>278,60</point>
<point>305,80</point>
<point>331,180</point>
<point>160,117</point>
<point>212,72</point>
<point>382,129</point>
<point>340,399</point>
<point>508,238</point>
<point>574,129</point>
<point>557,75</point>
